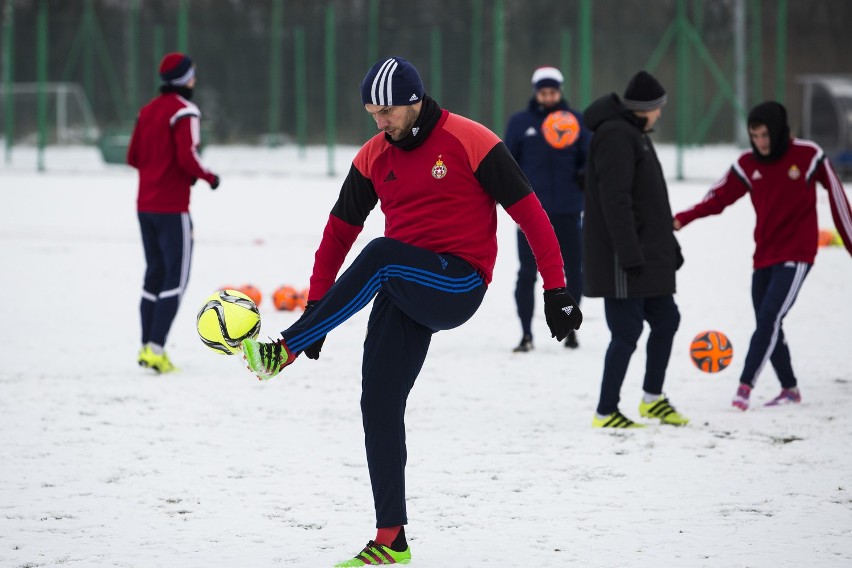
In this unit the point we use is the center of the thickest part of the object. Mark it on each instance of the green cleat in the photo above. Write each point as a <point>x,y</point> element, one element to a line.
<point>614,420</point>
<point>151,360</point>
<point>663,410</point>
<point>377,555</point>
<point>266,359</point>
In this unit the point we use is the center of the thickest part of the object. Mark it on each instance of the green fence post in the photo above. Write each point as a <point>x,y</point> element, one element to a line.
<point>696,84</point>
<point>183,26</point>
<point>435,56</point>
<point>300,84</point>
<point>585,24</point>
<point>132,58</point>
<point>499,89</point>
<point>8,76</point>
<point>158,44</point>
<point>276,22</point>
<point>330,87</point>
<point>372,53</point>
<point>475,88</point>
<point>565,64</point>
<point>373,33</point>
<point>88,24</point>
<point>682,108</point>
<point>781,51</point>
<point>756,52</point>
<point>41,79</point>
<point>740,67</point>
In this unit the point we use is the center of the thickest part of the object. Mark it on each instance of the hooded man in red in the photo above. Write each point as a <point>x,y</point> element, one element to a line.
<point>780,175</point>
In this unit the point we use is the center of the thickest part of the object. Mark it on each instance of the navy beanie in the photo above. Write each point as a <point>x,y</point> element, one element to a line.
<point>392,82</point>
<point>176,69</point>
<point>644,93</point>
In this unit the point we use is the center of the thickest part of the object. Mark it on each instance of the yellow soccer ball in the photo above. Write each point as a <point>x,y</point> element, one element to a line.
<point>225,319</point>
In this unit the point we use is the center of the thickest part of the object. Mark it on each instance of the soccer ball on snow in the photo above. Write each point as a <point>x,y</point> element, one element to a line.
<point>285,298</point>
<point>288,298</point>
<point>225,319</point>
<point>711,351</point>
<point>252,292</point>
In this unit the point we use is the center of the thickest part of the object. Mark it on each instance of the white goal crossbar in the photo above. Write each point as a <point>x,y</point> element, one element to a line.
<point>64,95</point>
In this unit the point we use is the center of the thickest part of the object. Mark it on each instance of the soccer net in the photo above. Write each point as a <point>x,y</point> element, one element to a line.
<point>69,118</point>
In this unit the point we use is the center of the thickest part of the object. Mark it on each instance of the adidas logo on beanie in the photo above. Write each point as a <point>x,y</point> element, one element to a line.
<point>392,82</point>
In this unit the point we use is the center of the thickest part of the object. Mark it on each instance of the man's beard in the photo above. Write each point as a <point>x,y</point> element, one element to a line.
<point>405,129</point>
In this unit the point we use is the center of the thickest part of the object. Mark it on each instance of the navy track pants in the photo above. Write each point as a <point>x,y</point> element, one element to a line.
<point>167,240</point>
<point>569,233</point>
<point>417,292</point>
<point>625,318</point>
<point>773,291</point>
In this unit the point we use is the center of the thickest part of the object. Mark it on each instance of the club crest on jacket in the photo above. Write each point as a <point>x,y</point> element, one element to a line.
<point>439,170</point>
<point>794,173</point>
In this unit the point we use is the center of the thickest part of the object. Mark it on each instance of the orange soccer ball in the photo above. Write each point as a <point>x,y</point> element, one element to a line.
<point>560,128</point>
<point>303,298</point>
<point>829,238</point>
<point>286,298</point>
<point>711,351</point>
<point>252,292</point>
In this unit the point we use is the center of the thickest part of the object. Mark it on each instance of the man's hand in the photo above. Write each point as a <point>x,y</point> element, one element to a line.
<point>561,312</point>
<point>313,350</point>
<point>215,183</point>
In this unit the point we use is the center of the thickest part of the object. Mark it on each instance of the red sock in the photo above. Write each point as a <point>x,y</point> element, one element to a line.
<point>386,536</point>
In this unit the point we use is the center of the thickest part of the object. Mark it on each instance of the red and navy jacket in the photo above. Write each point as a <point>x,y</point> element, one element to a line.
<point>783,193</point>
<point>440,195</point>
<point>164,148</point>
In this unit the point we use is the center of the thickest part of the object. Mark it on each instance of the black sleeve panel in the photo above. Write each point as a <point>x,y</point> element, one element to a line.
<point>502,178</point>
<point>357,198</point>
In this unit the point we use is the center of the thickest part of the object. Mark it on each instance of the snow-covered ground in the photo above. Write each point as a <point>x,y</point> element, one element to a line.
<point>103,463</point>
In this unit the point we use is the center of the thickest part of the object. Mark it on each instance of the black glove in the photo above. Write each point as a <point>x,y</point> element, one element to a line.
<point>313,350</point>
<point>561,312</point>
<point>215,183</point>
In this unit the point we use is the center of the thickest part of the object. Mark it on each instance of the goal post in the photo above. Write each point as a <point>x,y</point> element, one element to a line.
<point>70,118</point>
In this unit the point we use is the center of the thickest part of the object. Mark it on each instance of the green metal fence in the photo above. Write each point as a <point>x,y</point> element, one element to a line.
<point>287,71</point>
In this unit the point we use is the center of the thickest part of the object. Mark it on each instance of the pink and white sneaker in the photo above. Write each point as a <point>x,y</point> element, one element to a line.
<point>741,399</point>
<point>787,396</point>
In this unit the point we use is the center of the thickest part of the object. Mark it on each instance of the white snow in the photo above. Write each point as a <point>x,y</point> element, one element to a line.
<point>103,463</point>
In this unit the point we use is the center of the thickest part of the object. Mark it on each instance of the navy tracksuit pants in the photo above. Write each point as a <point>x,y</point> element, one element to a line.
<point>625,318</point>
<point>167,240</point>
<point>417,292</point>
<point>773,291</point>
<point>569,233</point>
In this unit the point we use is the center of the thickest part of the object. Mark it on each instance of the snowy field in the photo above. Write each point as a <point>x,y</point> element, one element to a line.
<point>105,464</point>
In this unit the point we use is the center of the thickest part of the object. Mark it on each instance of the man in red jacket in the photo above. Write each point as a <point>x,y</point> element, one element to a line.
<point>780,174</point>
<point>438,178</point>
<point>164,148</point>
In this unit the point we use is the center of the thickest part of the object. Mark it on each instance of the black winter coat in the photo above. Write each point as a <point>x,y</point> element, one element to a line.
<point>628,219</point>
